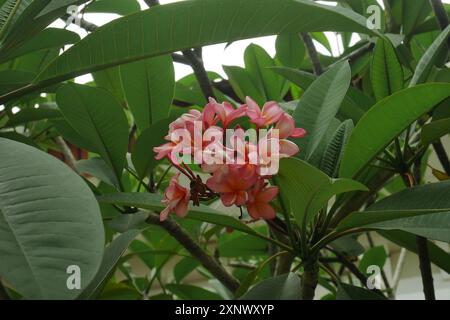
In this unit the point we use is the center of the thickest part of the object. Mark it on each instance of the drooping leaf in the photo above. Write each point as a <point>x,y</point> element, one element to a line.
<point>435,130</point>
<point>46,39</point>
<point>320,104</point>
<point>242,84</point>
<point>375,256</point>
<point>49,221</point>
<point>438,256</point>
<point>149,88</point>
<point>97,117</point>
<point>385,121</point>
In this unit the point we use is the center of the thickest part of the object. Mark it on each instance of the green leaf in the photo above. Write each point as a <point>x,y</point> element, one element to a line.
<point>195,23</point>
<point>408,241</point>
<point>433,131</point>
<point>184,268</point>
<point>320,104</point>
<point>257,64</point>
<point>143,156</point>
<point>333,153</point>
<point>98,118</point>
<point>386,70</point>
<point>125,222</point>
<point>31,115</point>
<point>111,257</point>
<point>98,168</point>
<point>284,287</point>
<point>120,7</point>
<point>109,79</point>
<point>412,16</point>
<point>243,85</point>
<point>385,121</point>
<point>190,292</point>
<point>46,39</point>
<point>13,79</point>
<point>290,50</point>
<point>422,210</point>
<point>349,292</point>
<point>305,199</point>
<point>149,87</point>
<point>355,102</point>
<point>49,220</point>
<point>429,58</point>
<point>374,256</point>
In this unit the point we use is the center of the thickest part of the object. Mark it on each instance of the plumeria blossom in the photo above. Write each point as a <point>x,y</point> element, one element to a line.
<point>237,167</point>
<point>271,112</point>
<point>176,198</point>
<point>258,201</point>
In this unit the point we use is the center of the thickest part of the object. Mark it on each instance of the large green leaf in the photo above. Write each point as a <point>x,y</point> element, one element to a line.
<point>48,38</point>
<point>98,118</point>
<point>408,241</point>
<point>386,71</point>
<point>122,7</point>
<point>429,58</point>
<point>149,88</point>
<point>320,104</point>
<point>307,189</point>
<point>385,121</point>
<point>49,221</point>
<point>284,287</point>
<point>194,23</point>
<point>422,210</point>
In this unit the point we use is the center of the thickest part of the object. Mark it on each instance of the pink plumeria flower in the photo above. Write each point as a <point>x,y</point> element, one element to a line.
<point>286,127</point>
<point>176,198</point>
<point>232,182</point>
<point>270,113</point>
<point>224,112</point>
<point>259,197</point>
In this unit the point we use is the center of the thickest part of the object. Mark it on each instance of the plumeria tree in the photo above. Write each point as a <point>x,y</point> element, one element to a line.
<point>264,183</point>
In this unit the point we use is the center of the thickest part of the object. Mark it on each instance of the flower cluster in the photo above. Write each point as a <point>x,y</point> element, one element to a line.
<point>239,167</point>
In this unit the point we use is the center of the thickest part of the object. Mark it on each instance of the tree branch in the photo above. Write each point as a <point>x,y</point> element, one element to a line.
<point>441,15</point>
<point>312,52</point>
<point>68,156</point>
<point>200,73</point>
<point>196,251</point>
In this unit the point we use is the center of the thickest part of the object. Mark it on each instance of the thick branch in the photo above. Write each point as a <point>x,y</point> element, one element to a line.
<point>200,73</point>
<point>312,52</point>
<point>196,251</point>
<point>425,268</point>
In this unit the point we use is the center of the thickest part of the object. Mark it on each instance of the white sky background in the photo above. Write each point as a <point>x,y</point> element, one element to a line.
<point>213,56</point>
